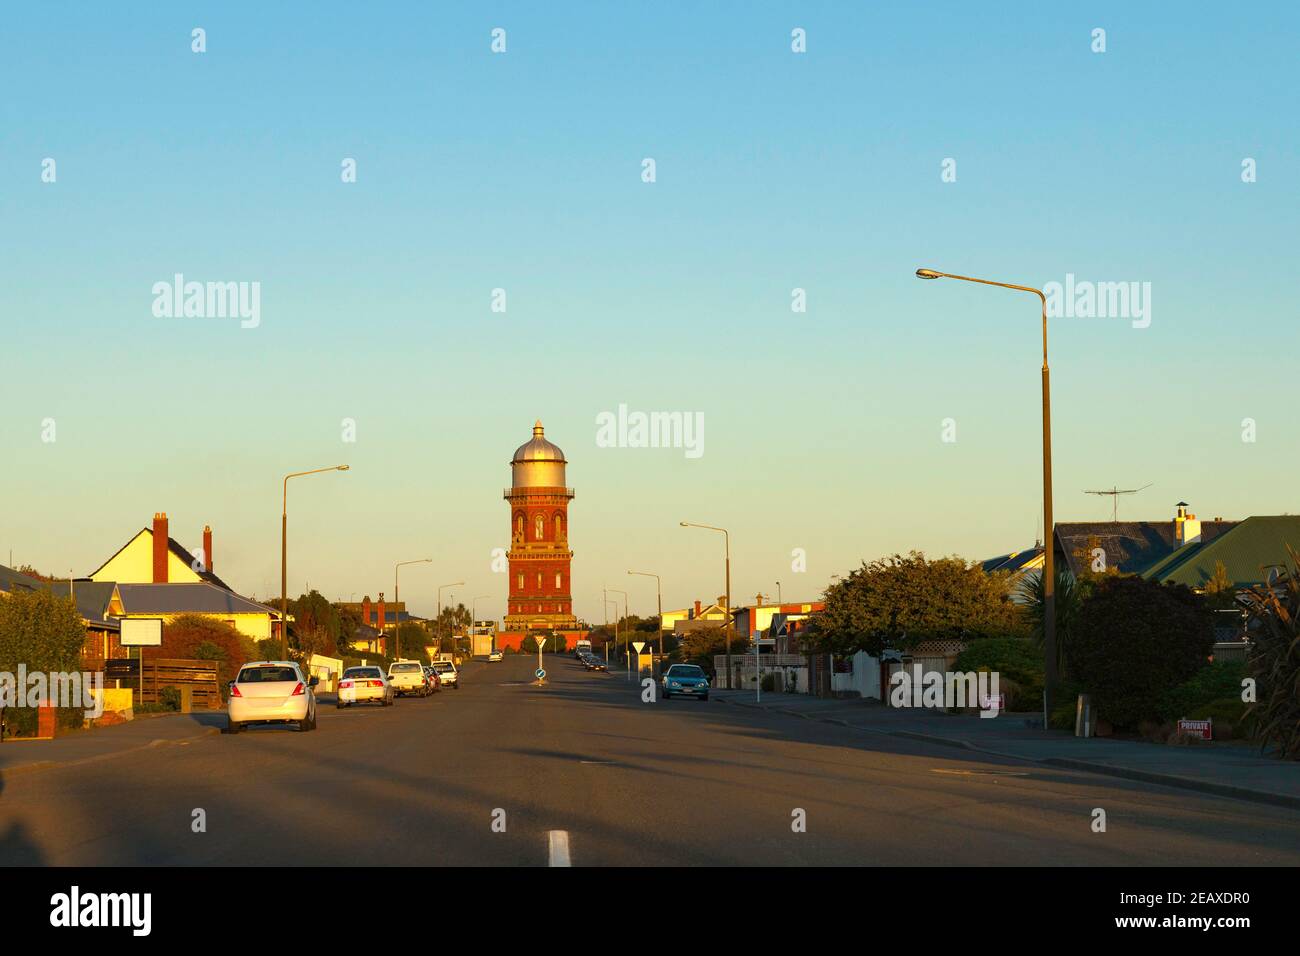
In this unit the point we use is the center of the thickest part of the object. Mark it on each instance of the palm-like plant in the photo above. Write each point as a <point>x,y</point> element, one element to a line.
<point>1069,598</point>
<point>1274,661</point>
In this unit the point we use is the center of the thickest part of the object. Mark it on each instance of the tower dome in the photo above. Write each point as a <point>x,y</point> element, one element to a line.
<point>538,463</point>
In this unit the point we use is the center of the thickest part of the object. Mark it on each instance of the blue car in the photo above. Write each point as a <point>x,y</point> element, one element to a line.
<point>685,680</point>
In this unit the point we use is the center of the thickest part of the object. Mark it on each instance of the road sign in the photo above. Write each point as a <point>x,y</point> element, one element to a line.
<point>117,668</point>
<point>540,673</point>
<point>1197,728</point>
<point>639,645</point>
<point>140,632</point>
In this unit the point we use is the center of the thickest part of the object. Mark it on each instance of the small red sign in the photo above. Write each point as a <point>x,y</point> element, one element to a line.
<point>1197,728</point>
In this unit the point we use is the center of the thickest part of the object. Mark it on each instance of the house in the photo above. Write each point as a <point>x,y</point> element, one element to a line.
<point>168,601</point>
<point>774,620</point>
<point>98,604</point>
<point>153,557</point>
<point>1018,565</point>
<point>1251,552</point>
<point>1131,547</point>
<point>156,577</point>
<point>696,618</point>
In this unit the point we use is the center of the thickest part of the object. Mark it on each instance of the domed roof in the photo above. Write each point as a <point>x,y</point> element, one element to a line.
<point>539,449</point>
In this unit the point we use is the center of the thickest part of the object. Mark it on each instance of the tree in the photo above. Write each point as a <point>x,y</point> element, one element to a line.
<point>1069,596</point>
<point>46,634</point>
<point>196,637</point>
<point>312,613</point>
<point>1220,590</point>
<point>899,601</point>
<point>450,618</point>
<point>1136,640</point>
<point>1274,611</point>
<point>412,641</point>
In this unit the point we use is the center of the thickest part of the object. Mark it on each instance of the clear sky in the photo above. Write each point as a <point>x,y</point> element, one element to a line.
<point>775,170</point>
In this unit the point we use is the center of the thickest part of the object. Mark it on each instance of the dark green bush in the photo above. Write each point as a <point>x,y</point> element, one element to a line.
<point>1135,641</point>
<point>1213,682</point>
<point>170,698</point>
<point>1013,658</point>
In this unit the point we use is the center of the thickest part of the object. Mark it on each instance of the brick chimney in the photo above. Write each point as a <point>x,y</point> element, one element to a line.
<point>380,615</point>
<point>207,548</point>
<point>365,610</point>
<point>160,549</point>
<point>697,610</point>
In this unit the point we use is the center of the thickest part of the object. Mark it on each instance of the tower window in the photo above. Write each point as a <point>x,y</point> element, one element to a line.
<point>557,582</point>
<point>540,527</point>
<point>521,580</point>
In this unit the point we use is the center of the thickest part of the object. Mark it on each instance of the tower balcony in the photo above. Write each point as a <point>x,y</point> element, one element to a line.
<point>539,491</point>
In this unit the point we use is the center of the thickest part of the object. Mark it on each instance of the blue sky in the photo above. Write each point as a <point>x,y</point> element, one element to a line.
<point>522,171</point>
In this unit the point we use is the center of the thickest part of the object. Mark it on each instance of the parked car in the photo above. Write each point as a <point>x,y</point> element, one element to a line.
<point>407,678</point>
<point>271,692</point>
<point>496,656</point>
<point>361,684</point>
<point>448,673</point>
<point>686,680</point>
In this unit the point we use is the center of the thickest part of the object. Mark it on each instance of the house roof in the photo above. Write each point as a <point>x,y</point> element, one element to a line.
<point>1246,551</point>
<point>11,580</point>
<point>1013,562</point>
<point>1133,547</point>
<point>197,597</point>
<point>93,599</point>
<point>176,549</point>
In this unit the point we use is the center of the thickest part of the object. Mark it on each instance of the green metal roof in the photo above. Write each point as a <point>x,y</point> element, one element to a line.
<point>1246,551</point>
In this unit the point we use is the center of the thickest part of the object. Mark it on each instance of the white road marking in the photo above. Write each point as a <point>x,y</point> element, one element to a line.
<point>558,841</point>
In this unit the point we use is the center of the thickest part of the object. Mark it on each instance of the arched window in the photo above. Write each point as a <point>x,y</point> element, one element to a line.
<point>557,581</point>
<point>539,580</point>
<point>521,580</point>
<point>559,526</point>
<point>519,523</point>
<point>541,525</point>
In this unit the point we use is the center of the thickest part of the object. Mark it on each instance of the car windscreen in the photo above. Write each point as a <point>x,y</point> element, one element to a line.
<point>263,675</point>
<point>685,670</point>
<point>363,672</point>
<point>443,666</point>
<point>405,669</point>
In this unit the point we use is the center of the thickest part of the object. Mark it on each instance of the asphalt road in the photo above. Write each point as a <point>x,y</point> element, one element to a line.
<point>583,767</point>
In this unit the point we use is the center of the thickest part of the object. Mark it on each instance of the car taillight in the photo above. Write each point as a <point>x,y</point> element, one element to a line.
<point>234,691</point>
<point>297,691</point>
<point>376,683</point>
<point>346,683</point>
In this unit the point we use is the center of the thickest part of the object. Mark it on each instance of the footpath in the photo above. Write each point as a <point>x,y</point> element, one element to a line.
<point>1236,770</point>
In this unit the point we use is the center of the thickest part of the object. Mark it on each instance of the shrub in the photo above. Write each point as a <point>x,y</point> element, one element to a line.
<point>1135,641</point>
<point>1213,682</point>
<point>1275,660</point>
<point>170,698</point>
<point>769,682</point>
<point>1018,663</point>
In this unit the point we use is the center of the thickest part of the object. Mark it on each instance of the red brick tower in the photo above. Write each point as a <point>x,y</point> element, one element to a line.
<point>541,595</point>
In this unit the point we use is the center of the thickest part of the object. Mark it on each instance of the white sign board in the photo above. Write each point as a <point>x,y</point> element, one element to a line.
<point>141,632</point>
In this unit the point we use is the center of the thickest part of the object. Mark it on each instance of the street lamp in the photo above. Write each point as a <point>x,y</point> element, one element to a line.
<point>778,593</point>
<point>397,617</point>
<point>625,640</point>
<point>1049,562</point>
<point>727,536</point>
<point>284,555</point>
<point>608,602</point>
<point>441,588</point>
<point>659,600</point>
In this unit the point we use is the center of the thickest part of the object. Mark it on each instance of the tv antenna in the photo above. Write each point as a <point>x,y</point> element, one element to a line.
<point>1114,497</point>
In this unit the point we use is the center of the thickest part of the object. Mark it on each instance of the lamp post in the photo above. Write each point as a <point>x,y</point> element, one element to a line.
<point>284,555</point>
<point>625,644</point>
<point>397,617</point>
<point>441,588</point>
<point>727,536</point>
<point>778,593</point>
<point>608,602</point>
<point>659,603</point>
<point>1049,544</point>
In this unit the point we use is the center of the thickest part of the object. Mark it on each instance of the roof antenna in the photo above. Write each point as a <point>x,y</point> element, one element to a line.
<point>1114,497</point>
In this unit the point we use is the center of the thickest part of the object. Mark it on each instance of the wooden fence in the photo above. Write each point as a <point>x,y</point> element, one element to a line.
<point>200,676</point>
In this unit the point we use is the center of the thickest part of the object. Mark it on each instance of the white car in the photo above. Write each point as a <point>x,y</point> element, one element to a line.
<point>271,692</point>
<point>359,684</point>
<point>407,677</point>
<point>496,656</point>
<point>447,673</point>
